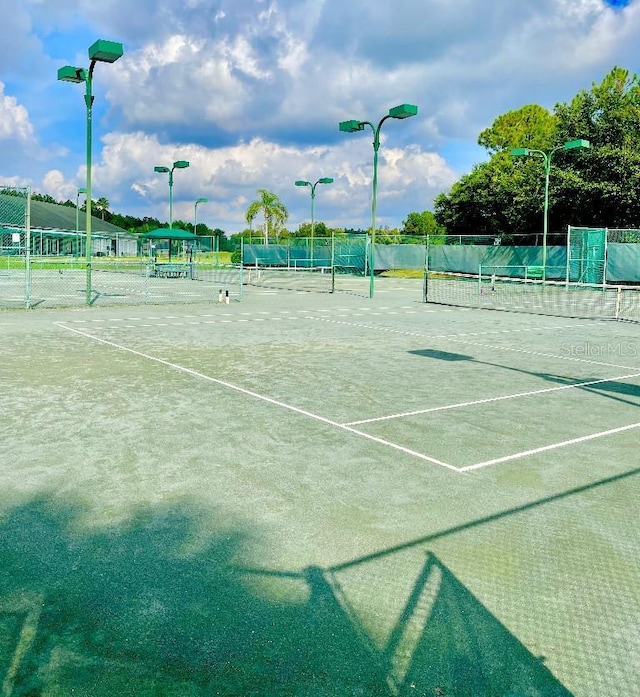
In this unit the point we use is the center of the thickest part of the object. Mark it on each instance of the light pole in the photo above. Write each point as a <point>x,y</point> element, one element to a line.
<point>104,52</point>
<point>195,214</point>
<point>403,111</point>
<point>80,191</point>
<point>300,182</point>
<point>546,158</point>
<point>178,164</point>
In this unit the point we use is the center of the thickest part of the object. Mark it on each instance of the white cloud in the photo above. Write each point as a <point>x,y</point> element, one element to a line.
<point>251,91</point>
<point>55,184</point>
<point>14,119</point>
<point>230,176</point>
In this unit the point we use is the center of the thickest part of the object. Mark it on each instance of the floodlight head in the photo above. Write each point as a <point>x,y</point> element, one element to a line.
<point>300,182</point>
<point>580,143</point>
<point>70,73</point>
<point>105,51</point>
<point>351,126</point>
<point>325,180</point>
<point>403,111</point>
<point>517,152</point>
<point>180,164</point>
<point>160,168</point>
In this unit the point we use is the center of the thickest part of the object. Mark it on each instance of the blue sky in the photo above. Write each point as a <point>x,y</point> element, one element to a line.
<point>251,93</point>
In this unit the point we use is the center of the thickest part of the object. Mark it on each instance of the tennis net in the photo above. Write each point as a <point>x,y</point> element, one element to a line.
<point>316,279</point>
<point>557,298</point>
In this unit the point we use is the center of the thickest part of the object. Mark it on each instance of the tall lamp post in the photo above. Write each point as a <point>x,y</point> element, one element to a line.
<point>178,164</point>
<point>403,111</point>
<point>195,214</point>
<point>300,182</point>
<point>80,191</point>
<point>104,52</point>
<point>546,158</point>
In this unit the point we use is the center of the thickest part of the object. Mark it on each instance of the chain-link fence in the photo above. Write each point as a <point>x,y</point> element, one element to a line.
<point>47,268</point>
<point>15,246</point>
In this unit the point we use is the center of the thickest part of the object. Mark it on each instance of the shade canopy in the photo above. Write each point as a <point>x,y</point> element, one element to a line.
<point>165,233</point>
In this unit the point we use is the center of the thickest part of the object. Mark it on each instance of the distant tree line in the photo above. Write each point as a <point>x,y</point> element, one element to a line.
<point>416,224</point>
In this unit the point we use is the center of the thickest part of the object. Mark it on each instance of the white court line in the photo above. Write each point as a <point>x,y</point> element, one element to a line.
<point>108,323</point>
<point>264,398</point>
<point>404,332</point>
<point>544,355</point>
<point>455,338</point>
<point>545,448</point>
<point>488,400</point>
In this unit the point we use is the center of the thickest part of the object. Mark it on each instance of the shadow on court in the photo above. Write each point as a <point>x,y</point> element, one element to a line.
<point>132,611</point>
<point>612,389</point>
<point>141,609</point>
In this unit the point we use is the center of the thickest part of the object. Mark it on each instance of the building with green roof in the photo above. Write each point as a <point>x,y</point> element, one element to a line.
<point>56,229</point>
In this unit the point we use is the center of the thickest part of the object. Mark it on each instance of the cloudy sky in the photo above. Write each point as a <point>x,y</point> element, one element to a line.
<point>250,92</point>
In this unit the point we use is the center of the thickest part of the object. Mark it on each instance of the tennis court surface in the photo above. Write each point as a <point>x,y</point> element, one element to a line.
<point>319,494</point>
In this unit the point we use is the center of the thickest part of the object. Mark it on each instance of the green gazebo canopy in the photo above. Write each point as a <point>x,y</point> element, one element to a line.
<point>165,233</point>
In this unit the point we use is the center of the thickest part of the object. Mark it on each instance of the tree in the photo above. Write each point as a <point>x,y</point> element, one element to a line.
<point>599,186</point>
<point>608,114</point>
<point>274,211</point>
<point>101,206</point>
<point>492,199</point>
<point>531,126</point>
<point>319,230</point>
<point>603,185</point>
<point>499,197</point>
<point>421,225</point>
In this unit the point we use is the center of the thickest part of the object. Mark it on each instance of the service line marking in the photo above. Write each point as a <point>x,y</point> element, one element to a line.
<point>545,448</point>
<point>465,342</point>
<point>527,352</point>
<point>264,398</point>
<point>488,400</point>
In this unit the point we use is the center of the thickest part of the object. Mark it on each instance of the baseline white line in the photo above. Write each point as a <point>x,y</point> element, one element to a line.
<point>442,336</point>
<point>488,400</point>
<point>544,355</point>
<point>545,448</point>
<point>264,398</point>
<point>464,342</point>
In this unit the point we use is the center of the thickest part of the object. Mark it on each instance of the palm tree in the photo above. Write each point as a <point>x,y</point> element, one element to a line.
<point>274,211</point>
<point>101,206</point>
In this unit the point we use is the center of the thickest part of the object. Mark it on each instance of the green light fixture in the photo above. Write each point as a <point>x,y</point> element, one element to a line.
<point>195,213</point>
<point>580,143</point>
<point>302,182</point>
<point>402,111</point>
<point>178,164</point>
<point>99,52</point>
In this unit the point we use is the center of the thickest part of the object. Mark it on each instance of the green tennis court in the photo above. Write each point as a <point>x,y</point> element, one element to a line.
<point>319,494</point>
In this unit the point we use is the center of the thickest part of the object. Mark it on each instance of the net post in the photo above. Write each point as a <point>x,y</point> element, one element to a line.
<point>27,234</point>
<point>480,279</point>
<point>241,266</point>
<point>568,255</point>
<point>333,261</point>
<point>618,302</point>
<point>426,271</point>
<point>604,260</point>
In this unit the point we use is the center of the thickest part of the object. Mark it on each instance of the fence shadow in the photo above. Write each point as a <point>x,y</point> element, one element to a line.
<point>446,643</point>
<point>151,608</point>
<point>154,606</point>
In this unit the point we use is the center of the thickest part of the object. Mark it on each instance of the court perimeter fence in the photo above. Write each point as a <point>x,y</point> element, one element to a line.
<point>49,278</point>
<point>596,274</point>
